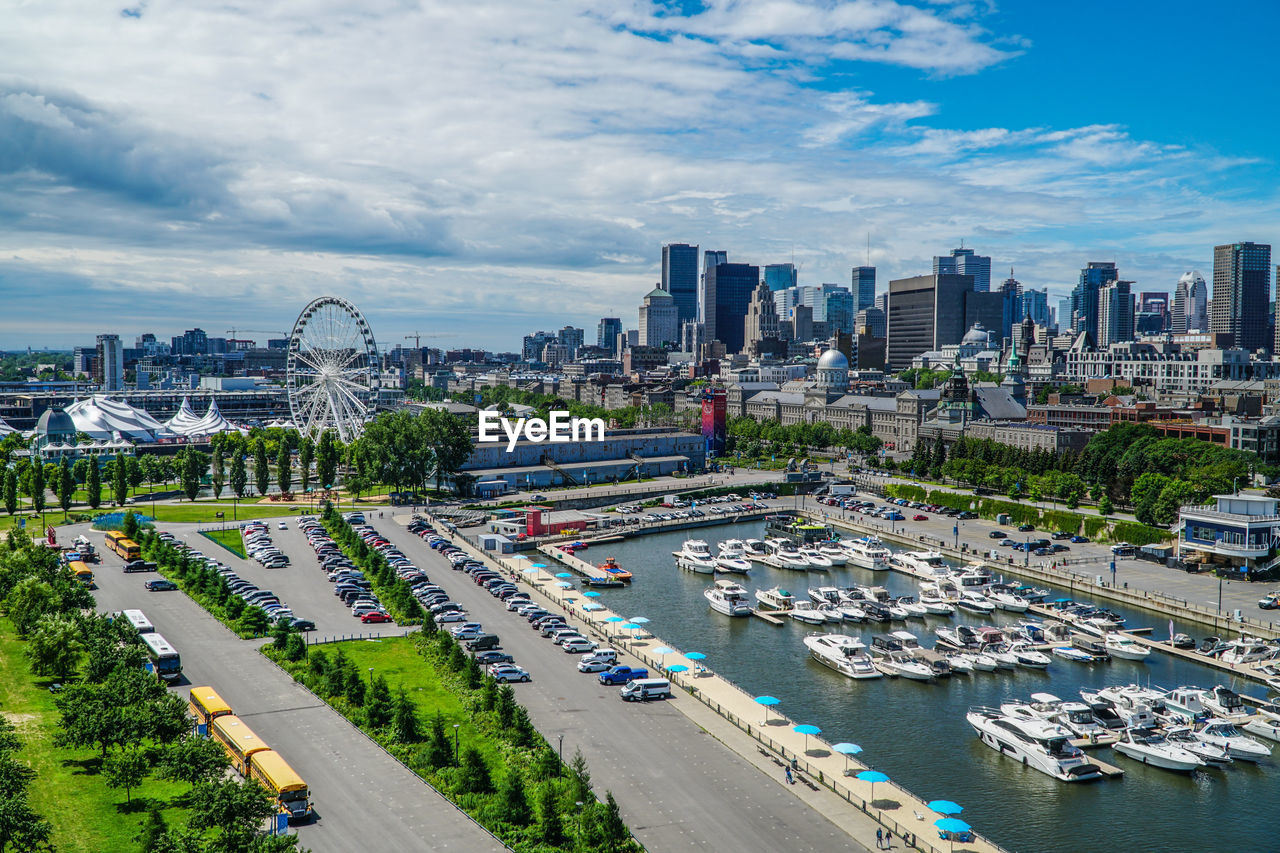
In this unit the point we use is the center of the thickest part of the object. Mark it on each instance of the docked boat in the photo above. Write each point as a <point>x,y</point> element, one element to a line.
<point>610,567</point>
<point>732,557</point>
<point>974,577</point>
<point>1150,747</point>
<point>1246,650</point>
<point>831,612</point>
<point>1041,744</point>
<point>807,611</point>
<point>975,603</point>
<point>834,552</point>
<point>846,655</point>
<point>817,560</point>
<point>1135,696</point>
<point>1043,706</point>
<point>783,554</point>
<point>775,598</point>
<point>1004,658</point>
<point>824,595</point>
<point>1008,601</point>
<point>929,563</point>
<point>1239,746</point>
<point>981,661</point>
<point>961,662</point>
<point>1104,711</point>
<point>1126,648</point>
<point>1184,737</point>
<point>1080,719</point>
<point>728,598</point>
<point>1072,654</point>
<point>932,600</point>
<point>961,638</point>
<point>867,553</point>
<point>754,549</point>
<point>1028,656</point>
<point>1187,703</point>
<point>1222,701</point>
<point>1096,649</point>
<point>904,665</point>
<point>1263,727</point>
<point>911,606</point>
<point>695,556</point>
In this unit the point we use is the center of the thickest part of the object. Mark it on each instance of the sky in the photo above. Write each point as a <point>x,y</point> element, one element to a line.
<point>474,171</point>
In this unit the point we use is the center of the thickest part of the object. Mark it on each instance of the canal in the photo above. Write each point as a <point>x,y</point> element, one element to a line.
<point>916,732</point>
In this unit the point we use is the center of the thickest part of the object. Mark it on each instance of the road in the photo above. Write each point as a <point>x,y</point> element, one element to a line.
<point>364,800</point>
<point>679,788</point>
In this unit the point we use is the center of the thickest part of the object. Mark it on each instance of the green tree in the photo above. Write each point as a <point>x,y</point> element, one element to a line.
<point>66,486</point>
<point>234,811</point>
<point>473,774</point>
<point>404,718</point>
<point>129,525</point>
<point>580,779</point>
<point>261,466</point>
<point>10,491</point>
<point>152,836</point>
<point>93,485</point>
<point>439,750</point>
<point>377,703</point>
<point>295,648</point>
<point>134,472</point>
<point>193,464</point>
<point>284,468</point>
<point>513,802</point>
<point>550,825</point>
<point>28,601</point>
<point>306,455</point>
<point>217,474</point>
<point>239,477</point>
<point>253,620</point>
<point>21,828</point>
<point>327,455</point>
<point>54,647</point>
<point>194,760</point>
<point>612,826</point>
<point>120,480</point>
<point>1104,506</point>
<point>125,768</point>
<point>37,488</point>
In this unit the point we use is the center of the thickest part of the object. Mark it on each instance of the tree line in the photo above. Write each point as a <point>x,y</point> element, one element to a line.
<point>754,438</point>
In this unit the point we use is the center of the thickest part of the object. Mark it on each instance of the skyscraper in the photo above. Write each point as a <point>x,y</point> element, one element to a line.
<point>680,277</point>
<point>710,258</point>
<point>110,369</point>
<point>727,290</point>
<point>965,262</point>
<point>659,322</point>
<point>1115,313</point>
<point>838,311</point>
<point>1241,293</point>
<point>1084,298</point>
<point>572,338</point>
<point>761,322</point>
<point>863,285</point>
<point>607,333</point>
<point>1190,304</point>
<point>928,312</point>
<point>780,276</point>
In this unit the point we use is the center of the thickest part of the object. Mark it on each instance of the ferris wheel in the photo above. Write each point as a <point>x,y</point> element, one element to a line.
<point>332,369</point>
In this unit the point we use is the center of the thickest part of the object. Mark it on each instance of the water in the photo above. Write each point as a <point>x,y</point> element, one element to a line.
<point>916,732</point>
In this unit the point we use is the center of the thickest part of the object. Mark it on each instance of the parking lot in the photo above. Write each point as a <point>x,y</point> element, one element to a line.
<point>679,789</point>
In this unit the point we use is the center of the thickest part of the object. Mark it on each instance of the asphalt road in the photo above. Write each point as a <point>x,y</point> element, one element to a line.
<point>679,788</point>
<point>364,800</point>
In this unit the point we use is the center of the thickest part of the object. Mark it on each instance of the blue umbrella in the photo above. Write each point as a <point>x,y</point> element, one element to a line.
<point>517,557</point>
<point>767,701</point>
<point>539,565</point>
<point>564,574</point>
<point>677,667</point>
<point>564,584</point>
<point>807,730</point>
<point>591,605</point>
<point>530,572</point>
<point>695,656</point>
<point>952,824</point>
<point>873,776</point>
<point>592,594</point>
<point>629,626</point>
<point>614,619</point>
<point>639,620</point>
<point>945,807</point>
<point>847,749</point>
<point>663,650</point>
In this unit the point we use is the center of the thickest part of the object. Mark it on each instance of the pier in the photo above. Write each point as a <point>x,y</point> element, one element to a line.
<point>770,616</point>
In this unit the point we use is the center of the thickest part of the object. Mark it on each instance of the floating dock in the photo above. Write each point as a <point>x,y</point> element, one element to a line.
<point>770,616</point>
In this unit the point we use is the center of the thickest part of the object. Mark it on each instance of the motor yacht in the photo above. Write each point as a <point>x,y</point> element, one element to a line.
<point>961,662</point>
<point>1072,654</point>
<point>823,595</point>
<point>1186,703</point>
<point>1095,648</point>
<point>834,552</point>
<point>1028,656</point>
<point>913,607</point>
<point>1126,648</point>
<point>775,598</point>
<point>928,563</point>
<point>1186,738</point>
<point>974,577</point>
<point>1103,710</point>
<point>783,554</point>
<point>934,603</point>
<point>817,560</point>
<point>831,612</point>
<point>846,655</point>
<point>1239,746</point>
<point>1135,695</point>
<point>1005,659</point>
<point>850,611</point>
<point>1263,727</point>
<point>728,598</point>
<point>961,638</point>
<point>1246,650</point>
<point>981,661</point>
<point>1222,701</point>
<point>1150,747</point>
<point>867,553</point>
<point>1008,601</point>
<point>975,603</point>
<point>1079,718</point>
<point>695,556</point>
<point>1043,706</point>
<point>1041,744</point>
<point>754,549</point>
<point>904,665</point>
<point>807,611</point>
<point>732,557</point>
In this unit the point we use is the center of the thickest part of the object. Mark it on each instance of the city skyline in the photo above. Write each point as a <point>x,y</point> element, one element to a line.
<point>136,193</point>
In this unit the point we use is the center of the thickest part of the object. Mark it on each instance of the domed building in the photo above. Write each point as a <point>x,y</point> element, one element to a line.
<point>832,373</point>
<point>975,352</point>
<point>54,427</point>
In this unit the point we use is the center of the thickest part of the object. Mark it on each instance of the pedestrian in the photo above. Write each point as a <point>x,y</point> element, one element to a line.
<point>879,839</point>
<point>888,839</point>
<point>790,781</point>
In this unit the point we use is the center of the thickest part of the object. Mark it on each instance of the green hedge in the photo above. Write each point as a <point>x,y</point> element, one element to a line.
<point>1138,534</point>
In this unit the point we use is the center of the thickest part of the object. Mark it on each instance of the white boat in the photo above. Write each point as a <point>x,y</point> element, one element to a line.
<point>754,549</point>
<point>975,603</point>
<point>974,577</point>
<point>933,602</point>
<point>867,553</point>
<point>1186,702</point>
<point>1263,727</point>
<point>823,594</point>
<point>1151,747</point>
<point>1005,659</point>
<point>728,598</point>
<point>834,552</point>
<point>732,557</point>
<point>1135,695</point>
<point>817,560</point>
<point>1041,744</point>
<point>846,655</point>
<point>1222,701</point>
<point>1008,601</point>
<point>913,607</point>
<point>1184,737</point>
<point>1123,647</point>
<point>1239,746</point>
<point>1068,653</point>
<point>807,611</point>
<point>1029,657</point>
<point>961,638</point>
<point>929,563</point>
<point>695,556</point>
<point>775,598</point>
<point>1246,650</point>
<point>851,612</point>
<point>831,612</point>
<point>783,554</point>
<point>1079,718</point>
<point>961,662</point>
<point>904,665</point>
<point>983,662</point>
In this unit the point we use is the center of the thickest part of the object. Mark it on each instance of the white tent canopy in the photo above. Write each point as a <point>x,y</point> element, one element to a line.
<point>5,429</point>
<point>187,422</point>
<point>99,417</point>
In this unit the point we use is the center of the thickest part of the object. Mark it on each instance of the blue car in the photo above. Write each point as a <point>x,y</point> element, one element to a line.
<point>894,516</point>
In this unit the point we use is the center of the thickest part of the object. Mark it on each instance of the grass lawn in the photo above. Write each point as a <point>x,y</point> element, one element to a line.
<point>86,815</point>
<point>229,539</point>
<point>204,511</point>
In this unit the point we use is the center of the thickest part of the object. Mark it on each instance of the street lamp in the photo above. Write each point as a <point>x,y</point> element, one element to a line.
<point>560,768</point>
<point>455,743</point>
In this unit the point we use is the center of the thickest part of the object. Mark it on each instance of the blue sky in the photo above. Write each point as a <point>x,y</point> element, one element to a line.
<point>476,171</point>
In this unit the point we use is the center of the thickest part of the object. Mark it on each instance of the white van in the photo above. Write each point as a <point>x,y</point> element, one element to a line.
<point>644,689</point>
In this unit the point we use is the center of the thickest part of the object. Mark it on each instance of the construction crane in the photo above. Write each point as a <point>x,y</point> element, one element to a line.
<point>232,332</point>
<point>417,337</point>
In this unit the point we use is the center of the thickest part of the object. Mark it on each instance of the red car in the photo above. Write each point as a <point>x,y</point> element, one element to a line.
<point>919,517</point>
<point>375,616</point>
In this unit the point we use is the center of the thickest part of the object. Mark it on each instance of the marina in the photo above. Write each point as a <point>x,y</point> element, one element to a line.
<point>916,732</point>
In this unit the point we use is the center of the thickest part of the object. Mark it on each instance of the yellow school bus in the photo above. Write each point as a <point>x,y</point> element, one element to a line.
<point>81,572</point>
<point>206,704</point>
<point>285,785</point>
<point>123,546</point>
<point>237,739</point>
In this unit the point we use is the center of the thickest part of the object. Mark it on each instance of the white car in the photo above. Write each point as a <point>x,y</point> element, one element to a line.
<point>578,645</point>
<point>515,602</point>
<point>594,665</point>
<point>283,526</point>
<point>450,616</point>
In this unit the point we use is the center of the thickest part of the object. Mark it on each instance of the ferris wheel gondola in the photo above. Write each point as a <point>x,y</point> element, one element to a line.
<point>332,372</point>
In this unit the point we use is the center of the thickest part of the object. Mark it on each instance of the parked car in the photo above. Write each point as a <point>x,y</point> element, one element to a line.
<point>374,616</point>
<point>919,517</point>
<point>1076,540</point>
<point>492,657</point>
<point>578,645</point>
<point>996,534</point>
<point>507,672</point>
<point>302,625</point>
<point>1026,528</point>
<point>160,585</point>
